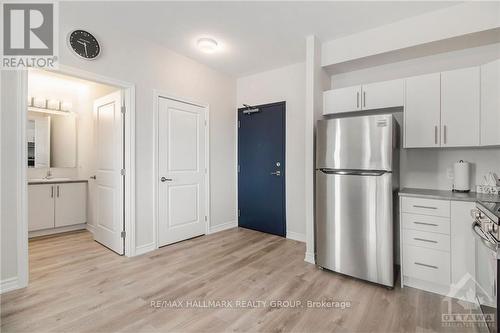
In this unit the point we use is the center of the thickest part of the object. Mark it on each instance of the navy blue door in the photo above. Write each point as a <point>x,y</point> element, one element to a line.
<point>261,176</point>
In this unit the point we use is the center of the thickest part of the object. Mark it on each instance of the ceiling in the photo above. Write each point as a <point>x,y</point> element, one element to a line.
<point>255,36</point>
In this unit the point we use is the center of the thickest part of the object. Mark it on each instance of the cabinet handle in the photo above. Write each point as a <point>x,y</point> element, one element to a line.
<point>364,98</point>
<point>425,207</point>
<point>425,265</point>
<point>435,134</point>
<point>357,99</point>
<point>444,134</point>
<point>52,191</point>
<point>423,223</point>
<point>424,240</point>
<point>58,191</point>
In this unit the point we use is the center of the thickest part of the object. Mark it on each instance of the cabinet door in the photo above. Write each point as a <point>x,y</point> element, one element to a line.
<point>462,245</point>
<point>460,108</point>
<point>40,207</point>
<point>490,104</point>
<point>71,204</point>
<point>422,111</point>
<point>386,94</point>
<point>342,100</point>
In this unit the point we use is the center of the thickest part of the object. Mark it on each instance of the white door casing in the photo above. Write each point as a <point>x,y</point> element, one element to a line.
<point>181,171</point>
<point>108,193</point>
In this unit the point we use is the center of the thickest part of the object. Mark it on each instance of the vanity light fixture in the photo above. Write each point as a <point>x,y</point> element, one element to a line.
<point>39,104</point>
<point>207,45</point>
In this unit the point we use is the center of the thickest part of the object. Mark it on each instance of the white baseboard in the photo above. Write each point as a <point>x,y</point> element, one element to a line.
<point>296,236</point>
<point>58,230</point>
<point>223,226</point>
<point>310,258</point>
<point>90,228</point>
<point>9,284</point>
<point>145,248</point>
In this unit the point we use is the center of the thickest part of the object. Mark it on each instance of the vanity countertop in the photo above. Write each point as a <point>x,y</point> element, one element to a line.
<point>448,195</point>
<point>55,181</point>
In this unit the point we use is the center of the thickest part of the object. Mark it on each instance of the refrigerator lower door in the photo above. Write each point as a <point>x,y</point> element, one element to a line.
<point>354,226</point>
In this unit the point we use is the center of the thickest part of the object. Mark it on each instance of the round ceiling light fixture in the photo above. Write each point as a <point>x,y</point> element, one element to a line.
<point>207,45</point>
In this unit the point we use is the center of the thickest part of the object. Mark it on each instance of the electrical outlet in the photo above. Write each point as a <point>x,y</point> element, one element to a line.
<point>449,173</point>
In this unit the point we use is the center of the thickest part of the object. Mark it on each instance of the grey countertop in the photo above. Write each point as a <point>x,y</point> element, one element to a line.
<point>55,181</point>
<point>448,195</point>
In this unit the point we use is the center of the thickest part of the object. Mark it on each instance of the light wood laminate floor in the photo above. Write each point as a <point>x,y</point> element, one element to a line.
<point>77,285</point>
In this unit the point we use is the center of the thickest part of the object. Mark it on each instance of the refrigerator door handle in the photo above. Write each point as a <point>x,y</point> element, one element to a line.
<point>352,172</point>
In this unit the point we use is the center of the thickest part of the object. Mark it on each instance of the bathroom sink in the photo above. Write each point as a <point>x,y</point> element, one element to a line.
<point>49,179</point>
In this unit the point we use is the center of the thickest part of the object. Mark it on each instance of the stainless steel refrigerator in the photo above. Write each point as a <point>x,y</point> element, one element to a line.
<point>356,174</point>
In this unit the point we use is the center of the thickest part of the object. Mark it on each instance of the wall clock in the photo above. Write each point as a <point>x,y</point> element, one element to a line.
<point>84,44</point>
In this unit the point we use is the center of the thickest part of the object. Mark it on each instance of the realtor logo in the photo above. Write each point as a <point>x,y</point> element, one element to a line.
<point>29,35</point>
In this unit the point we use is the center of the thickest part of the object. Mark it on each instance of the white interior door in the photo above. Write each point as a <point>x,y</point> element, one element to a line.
<point>181,171</point>
<point>108,189</point>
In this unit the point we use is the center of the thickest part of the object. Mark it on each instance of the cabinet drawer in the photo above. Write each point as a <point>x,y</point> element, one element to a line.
<point>426,239</point>
<point>426,206</point>
<point>426,264</point>
<point>426,223</point>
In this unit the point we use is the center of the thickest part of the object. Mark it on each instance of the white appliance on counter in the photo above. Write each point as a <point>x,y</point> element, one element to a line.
<point>461,177</point>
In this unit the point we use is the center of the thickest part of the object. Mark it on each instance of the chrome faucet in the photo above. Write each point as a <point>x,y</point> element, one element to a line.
<point>49,174</point>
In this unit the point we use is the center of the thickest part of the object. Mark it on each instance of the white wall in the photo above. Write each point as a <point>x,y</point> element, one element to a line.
<point>427,168</point>
<point>284,84</point>
<point>150,66</point>
<point>13,192</point>
<point>462,19</point>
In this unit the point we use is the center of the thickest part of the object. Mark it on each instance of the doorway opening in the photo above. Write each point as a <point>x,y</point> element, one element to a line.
<point>261,168</point>
<point>78,151</point>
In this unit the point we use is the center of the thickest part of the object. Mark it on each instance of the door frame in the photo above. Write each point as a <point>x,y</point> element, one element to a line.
<point>128,91</point>
<point>238,162</point>
<point>157,94</point>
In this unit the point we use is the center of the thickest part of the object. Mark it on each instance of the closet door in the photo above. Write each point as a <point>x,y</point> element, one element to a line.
<point>422,111</point>
<point>460,102</point>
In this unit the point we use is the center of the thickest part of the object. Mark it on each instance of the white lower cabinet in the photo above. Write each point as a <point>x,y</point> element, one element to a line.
<point>437,245</point>
<point>51,206</point>
<point>40,207</point>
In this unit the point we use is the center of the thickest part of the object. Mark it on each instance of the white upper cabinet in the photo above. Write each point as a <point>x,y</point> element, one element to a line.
<point>370,96</point>
<point>460,102</point>
<point>422,111</point>
<point>380,95</point>
<point>342,100</point>
<point>490,103</point>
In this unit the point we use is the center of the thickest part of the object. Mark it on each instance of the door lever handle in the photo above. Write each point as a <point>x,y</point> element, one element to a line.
<point>276,173</point>
<point>163,179</point>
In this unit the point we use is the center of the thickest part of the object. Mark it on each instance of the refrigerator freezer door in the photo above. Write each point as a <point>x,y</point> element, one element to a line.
<point>363,143</point>
<point>354,227</point>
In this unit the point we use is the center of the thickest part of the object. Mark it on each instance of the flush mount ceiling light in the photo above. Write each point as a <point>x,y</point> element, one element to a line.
<point>207,45</point>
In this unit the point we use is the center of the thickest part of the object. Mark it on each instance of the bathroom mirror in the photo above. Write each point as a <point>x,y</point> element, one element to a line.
<point>51,140</point>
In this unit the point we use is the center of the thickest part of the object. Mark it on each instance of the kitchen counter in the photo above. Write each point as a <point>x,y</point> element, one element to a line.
<point>55,181</point>
<point>448,195</point>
